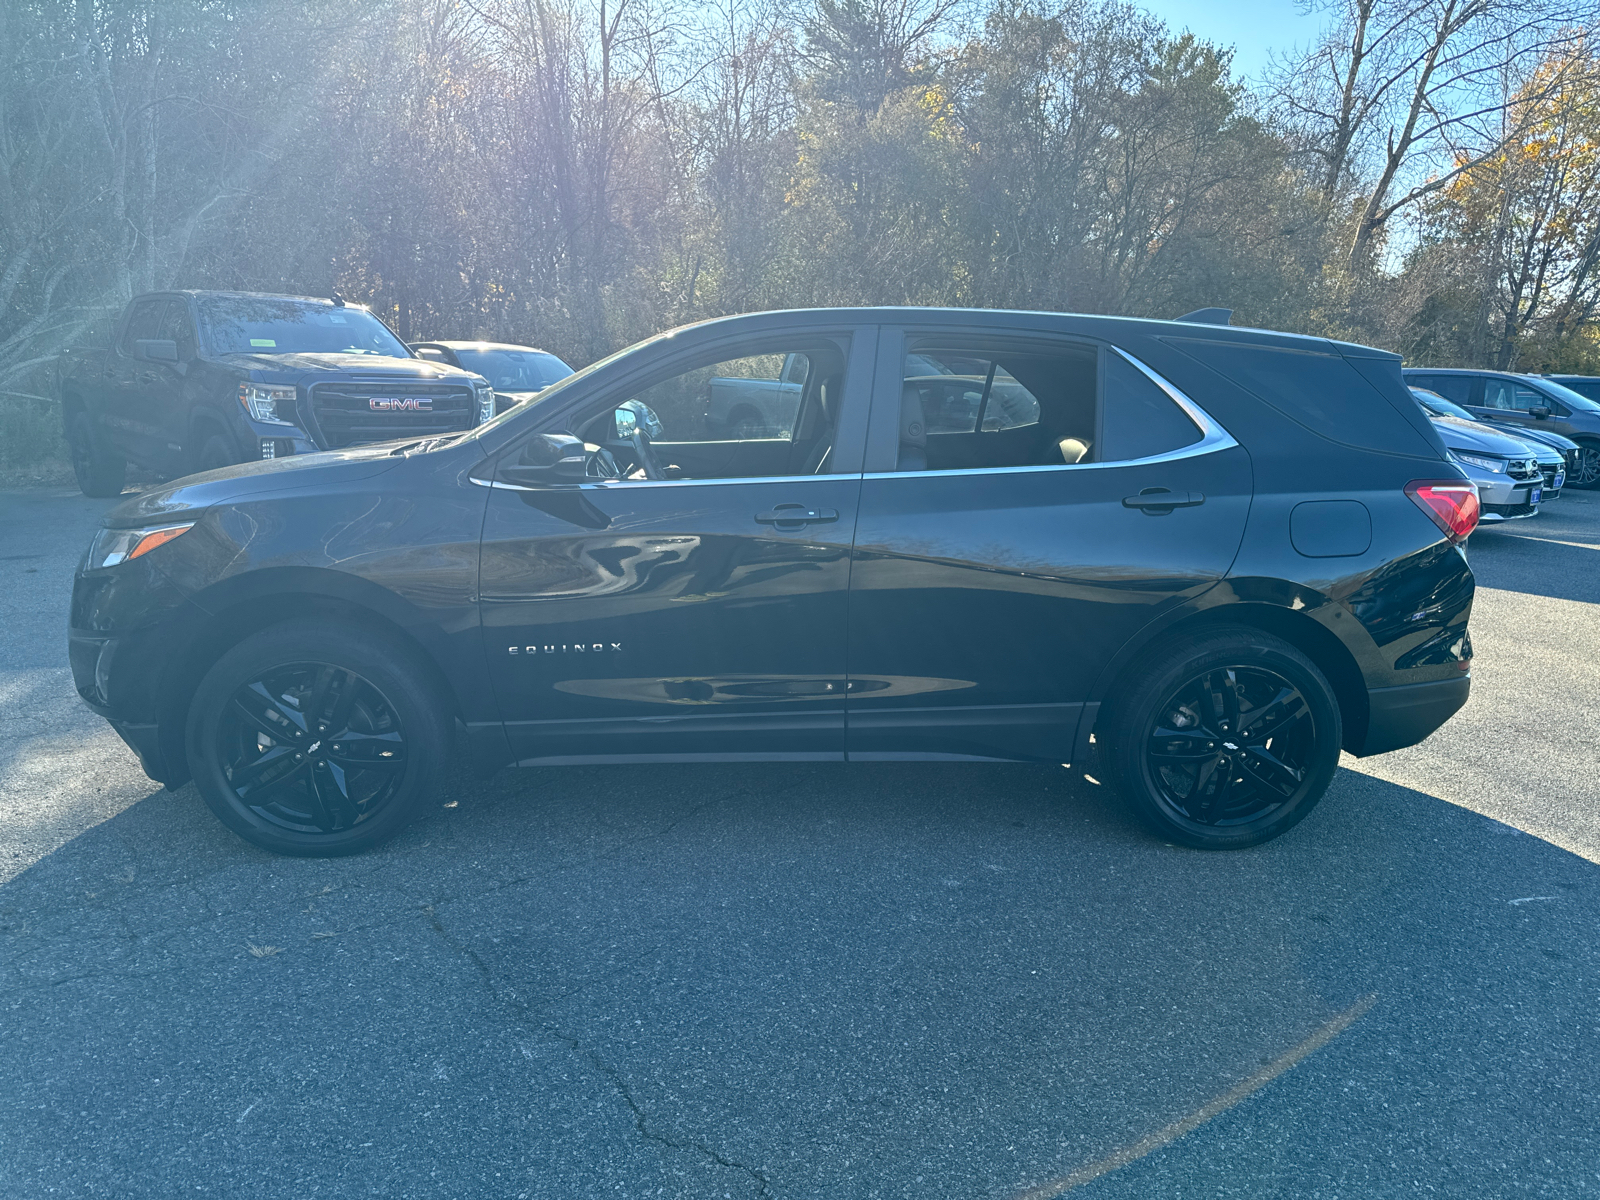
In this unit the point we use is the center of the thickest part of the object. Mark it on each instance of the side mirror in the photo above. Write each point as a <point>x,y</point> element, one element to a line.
<point>549,460</point>
<point>156,349</point>
<point>1542,413</point>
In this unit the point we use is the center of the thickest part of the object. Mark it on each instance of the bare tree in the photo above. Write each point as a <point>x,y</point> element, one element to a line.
<point>1400,96</point>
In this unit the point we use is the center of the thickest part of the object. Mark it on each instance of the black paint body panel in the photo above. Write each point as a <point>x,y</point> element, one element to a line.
<point>983,614</point>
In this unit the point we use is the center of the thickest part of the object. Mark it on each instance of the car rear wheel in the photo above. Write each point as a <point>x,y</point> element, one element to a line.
<point>98,471</point>
<point>1586,470</point>
<point>1223,741</point>
<point>316,740</point>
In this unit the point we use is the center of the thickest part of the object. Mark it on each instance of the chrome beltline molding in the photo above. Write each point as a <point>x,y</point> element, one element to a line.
<point>1213,439</point>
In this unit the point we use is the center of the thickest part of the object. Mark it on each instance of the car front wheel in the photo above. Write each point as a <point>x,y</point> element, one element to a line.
<point>1586,470</point>
<point>1223,741</point>
<point>316,740</point>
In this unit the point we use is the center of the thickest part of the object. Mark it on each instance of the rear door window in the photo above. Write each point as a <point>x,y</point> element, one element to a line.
<point>1451,387</point>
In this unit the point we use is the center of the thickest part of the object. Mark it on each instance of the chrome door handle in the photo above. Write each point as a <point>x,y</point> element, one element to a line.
<point>796,515</point>
<point>1159,501</point>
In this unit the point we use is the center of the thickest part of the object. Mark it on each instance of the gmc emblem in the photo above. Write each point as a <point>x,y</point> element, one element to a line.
<point>397,404</point>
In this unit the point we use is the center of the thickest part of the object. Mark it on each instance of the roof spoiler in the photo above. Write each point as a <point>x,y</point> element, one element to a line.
<point>1208,316</point>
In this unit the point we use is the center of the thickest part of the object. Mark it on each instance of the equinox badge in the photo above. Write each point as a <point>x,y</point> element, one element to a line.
<point>568,648</point>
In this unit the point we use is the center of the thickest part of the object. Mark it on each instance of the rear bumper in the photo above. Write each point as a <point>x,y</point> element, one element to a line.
<point>1403,716</point>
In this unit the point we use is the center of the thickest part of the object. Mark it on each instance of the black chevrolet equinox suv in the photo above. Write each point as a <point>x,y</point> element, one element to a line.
<point>1197,560</point>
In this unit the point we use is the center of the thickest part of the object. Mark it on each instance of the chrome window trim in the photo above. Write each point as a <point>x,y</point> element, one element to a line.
<point>612,484</point>
<point>1213,438</point>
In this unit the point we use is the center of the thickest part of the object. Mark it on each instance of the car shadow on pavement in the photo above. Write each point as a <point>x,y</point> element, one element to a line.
<point>1554,556</point>
<point>906,980</point>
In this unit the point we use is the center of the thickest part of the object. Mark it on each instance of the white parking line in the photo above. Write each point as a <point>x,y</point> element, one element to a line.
<point>1212,1108</point>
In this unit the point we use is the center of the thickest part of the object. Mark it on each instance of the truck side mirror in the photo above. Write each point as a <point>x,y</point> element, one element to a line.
<point>156,349</point>
<point>548,460</point>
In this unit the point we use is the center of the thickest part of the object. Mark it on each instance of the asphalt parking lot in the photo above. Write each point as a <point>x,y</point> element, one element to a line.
<point>921,981</point>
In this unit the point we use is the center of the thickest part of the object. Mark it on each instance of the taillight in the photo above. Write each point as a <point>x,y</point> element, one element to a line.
<point>1452,504</point>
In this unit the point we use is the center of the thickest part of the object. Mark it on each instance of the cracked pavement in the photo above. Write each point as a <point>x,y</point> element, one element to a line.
<point>806,981</point>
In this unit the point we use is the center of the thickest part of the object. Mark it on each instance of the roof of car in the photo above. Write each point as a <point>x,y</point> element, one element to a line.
<point>328,300</point>
<point>1081,323</point>
<point>1517,375</point>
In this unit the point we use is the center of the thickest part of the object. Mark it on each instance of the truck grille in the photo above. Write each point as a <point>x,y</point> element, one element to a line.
<point>348,412</point>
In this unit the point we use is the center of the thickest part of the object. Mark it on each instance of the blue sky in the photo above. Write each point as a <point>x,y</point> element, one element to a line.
<point>1253,27</point>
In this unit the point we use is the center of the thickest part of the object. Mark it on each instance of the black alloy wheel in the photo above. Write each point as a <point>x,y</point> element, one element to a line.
<point>1585,471</point>
<point>1222,740</point>
<point>1230,746</point>
<point>318,738</point>
<point>312,747</point>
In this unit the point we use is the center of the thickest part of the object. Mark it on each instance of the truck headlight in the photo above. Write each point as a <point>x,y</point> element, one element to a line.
<point>265,403</point>
<point>485,401</point>
<point>113,546</point>
<point>1496,465</point>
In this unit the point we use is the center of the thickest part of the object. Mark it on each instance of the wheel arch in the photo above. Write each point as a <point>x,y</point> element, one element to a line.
<point>288,594</point>
<point>204,421</point>
<point>1282,619</point>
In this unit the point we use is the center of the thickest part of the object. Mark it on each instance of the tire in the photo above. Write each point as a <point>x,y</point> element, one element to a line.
<point>214,454</point>
<point>1202,784</point>
<point>1586,471</point>
<point>271,775</point>
<point>99,472</point>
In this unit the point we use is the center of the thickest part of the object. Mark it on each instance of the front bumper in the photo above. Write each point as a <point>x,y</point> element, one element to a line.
<point>1504,499</point>
<point>1402,716</point>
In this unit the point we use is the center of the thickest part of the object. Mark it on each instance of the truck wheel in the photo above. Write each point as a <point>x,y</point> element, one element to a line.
<point>214,454</point>
<point>1586,471</point>
<point>317,739</point>
<point>98,471</point>
<point>1222,741</point>
<point>745,424</point>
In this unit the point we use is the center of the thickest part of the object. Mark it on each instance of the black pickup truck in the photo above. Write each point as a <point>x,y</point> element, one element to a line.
<point>197,380</point>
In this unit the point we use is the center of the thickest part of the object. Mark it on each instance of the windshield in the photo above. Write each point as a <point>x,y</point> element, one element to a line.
<point>1439,406</point>
<point>515,370</point>
<point>1566,395</point>
<point>268,325</point>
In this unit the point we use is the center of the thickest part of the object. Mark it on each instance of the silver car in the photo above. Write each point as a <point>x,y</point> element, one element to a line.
<point>1556,454</point>
<point>1506,470</point>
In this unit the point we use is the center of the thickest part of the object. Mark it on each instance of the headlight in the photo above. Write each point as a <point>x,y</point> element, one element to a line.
<point>267,403</point>
<point>113,546</point>
<point>1496,465</point>
<point>485,401</point>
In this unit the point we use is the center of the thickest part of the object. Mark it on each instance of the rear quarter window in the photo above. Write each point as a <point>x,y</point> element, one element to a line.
<point>1321,391</point>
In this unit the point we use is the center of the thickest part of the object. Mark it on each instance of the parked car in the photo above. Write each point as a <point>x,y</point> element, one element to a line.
<point>1587,386</point>
<point>1556,454</point>
<point>517,373</point>
<point>193,381</point>
<point>1217,557</point>
<point>1506,470</point>
<point>1528,402</point>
